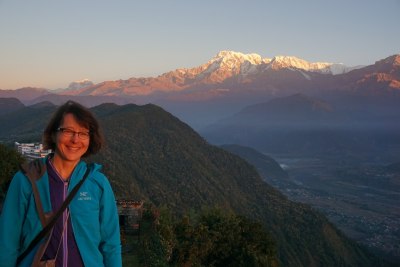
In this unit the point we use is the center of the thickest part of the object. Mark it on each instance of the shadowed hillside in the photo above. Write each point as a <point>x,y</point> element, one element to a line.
<point>153,155</point>
<point>302,125</point>
<point>8,105</point>
<point>150,154</point>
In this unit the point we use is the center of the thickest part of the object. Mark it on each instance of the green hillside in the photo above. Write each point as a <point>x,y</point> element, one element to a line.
<point>151,155</point>
<point>25,124</point>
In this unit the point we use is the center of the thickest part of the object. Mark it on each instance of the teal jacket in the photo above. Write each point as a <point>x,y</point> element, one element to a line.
<point>93,214</point>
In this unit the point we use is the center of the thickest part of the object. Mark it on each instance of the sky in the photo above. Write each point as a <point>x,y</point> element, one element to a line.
<point>51,43</point>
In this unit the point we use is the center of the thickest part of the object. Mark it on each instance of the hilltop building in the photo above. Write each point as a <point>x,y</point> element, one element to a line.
<point>130,214</point>
<point>31,151</point>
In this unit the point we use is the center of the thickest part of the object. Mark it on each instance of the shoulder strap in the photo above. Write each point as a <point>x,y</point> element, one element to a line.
<point>54,218</point>
<point>34,170</point>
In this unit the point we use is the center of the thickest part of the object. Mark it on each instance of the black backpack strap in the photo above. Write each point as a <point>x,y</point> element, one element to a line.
<point>54,218</point>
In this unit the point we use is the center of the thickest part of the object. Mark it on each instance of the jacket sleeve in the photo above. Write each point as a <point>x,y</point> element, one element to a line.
<point>12,218</point>
<point>110,245</point>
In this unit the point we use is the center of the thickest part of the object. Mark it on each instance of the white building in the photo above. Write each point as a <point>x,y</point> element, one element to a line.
<point>32,150</point>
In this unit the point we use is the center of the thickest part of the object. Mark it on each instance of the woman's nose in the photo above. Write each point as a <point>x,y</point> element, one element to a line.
<point>75,137</point>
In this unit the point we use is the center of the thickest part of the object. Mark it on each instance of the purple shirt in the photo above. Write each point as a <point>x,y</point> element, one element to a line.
<point>68,254</point>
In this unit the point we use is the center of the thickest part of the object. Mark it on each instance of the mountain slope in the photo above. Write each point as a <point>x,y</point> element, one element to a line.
<point>9,105</point>
<point>25,124</point>
<point>265,164</point>
<point>152,155</point>
<point>88,101</point>
<point>294,108</point>
<point>304,125</point>
<point>24,94</point>
<point>379,79</point>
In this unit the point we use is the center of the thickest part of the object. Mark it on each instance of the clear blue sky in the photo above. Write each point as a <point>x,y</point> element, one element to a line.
<point>50,43</point>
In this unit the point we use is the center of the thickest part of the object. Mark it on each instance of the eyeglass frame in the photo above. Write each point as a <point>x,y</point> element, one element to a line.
<point>70,133</point>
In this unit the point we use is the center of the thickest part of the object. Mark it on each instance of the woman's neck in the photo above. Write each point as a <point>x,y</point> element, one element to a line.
<point>63,167</point>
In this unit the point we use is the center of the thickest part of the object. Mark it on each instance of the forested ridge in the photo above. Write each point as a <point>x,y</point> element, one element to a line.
<point>153,156</point>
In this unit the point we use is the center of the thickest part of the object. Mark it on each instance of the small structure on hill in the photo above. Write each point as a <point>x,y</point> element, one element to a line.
<point>130,214</point>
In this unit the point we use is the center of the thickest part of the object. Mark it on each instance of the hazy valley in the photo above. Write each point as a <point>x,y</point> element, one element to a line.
<point>360,198</point>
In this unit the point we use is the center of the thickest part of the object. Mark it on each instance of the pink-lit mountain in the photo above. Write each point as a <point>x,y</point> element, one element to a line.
<point>232,72</point>
<point>231,81</point>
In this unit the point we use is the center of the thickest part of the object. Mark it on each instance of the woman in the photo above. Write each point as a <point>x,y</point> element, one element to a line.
<point>87,232</point>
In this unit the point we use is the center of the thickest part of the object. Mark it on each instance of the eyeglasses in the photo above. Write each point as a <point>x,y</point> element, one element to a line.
<point>69,133</point>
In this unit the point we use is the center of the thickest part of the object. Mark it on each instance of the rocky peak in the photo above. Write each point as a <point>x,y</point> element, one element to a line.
<point>79,84</point>
<point>231,57</point>
<point>392,60</point>
<point>281,62</point>
<point>224,65</point>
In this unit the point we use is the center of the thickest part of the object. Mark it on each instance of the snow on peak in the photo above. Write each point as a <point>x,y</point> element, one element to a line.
<point>232,56</point>
<point>244,64</point>
<point>79,84</point>
<point>230,63</point>
<point>294,62</point>
<point>279,62</point>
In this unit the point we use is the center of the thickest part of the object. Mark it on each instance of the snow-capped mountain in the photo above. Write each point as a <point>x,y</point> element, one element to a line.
<point>226,66</point>
<point>73,86</point>
<point>79,84</point>
<point>281,62</point>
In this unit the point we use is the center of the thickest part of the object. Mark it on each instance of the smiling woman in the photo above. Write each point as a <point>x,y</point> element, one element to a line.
<point>86,233</point>
<point>72,133</point>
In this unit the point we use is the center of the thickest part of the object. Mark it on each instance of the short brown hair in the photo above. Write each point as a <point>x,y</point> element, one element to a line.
<point>84,118</point>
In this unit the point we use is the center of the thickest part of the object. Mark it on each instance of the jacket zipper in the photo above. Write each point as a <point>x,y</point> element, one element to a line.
<point>65,236</point>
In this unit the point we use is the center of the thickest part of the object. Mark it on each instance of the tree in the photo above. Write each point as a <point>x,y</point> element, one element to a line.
<point>215,238</point>
<point>9,165</point>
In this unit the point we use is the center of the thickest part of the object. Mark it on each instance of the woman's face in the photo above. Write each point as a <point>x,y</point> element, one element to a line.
<point>70,146</point>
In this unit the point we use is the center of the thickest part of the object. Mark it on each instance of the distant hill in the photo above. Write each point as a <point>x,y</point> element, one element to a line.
<point>394,167</point>
<point>152,155</point>
<point>88,101</point>
<point>25,124</point>
<point>9,105</point>
<point>294,109</point>
<point>268,168</point>
<point>300,124</point>
<point>24,94</point>
<point>44,104</point>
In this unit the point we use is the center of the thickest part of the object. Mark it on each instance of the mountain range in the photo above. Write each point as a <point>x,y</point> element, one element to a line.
<point>231,81</point>
<point>229,67</point>
<point>225,66</point>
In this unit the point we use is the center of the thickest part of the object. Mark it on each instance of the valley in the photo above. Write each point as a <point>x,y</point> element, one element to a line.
<point>360,199</point>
